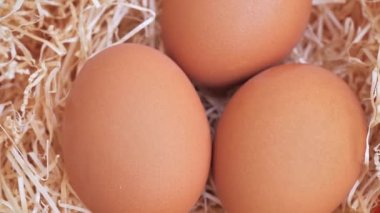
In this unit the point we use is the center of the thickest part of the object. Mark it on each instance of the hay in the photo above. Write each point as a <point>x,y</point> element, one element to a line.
<point>44,43</point>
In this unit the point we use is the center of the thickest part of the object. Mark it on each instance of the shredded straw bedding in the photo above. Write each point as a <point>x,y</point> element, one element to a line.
<point>44,44</point>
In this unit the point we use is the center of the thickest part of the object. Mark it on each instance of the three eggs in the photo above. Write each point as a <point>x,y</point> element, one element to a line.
<point>135,136</point>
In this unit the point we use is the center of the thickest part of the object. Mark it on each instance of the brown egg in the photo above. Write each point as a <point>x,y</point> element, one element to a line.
<point>219,43</point>
<point>291,140</point>
<point>135,136</point>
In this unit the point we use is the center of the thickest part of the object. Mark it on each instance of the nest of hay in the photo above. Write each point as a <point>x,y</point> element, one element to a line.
<point>44,44</point>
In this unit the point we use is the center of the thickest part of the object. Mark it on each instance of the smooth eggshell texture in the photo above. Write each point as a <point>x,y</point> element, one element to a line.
<point>222,42</point>
<point>291,140</point>
<point>135,136</point>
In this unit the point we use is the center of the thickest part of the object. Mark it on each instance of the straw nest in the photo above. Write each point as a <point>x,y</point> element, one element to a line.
<point>44,44</point>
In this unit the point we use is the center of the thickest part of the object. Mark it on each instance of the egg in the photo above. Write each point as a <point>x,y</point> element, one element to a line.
<point>135,137</point>
<point>290,140</point>
<point>219,43</point>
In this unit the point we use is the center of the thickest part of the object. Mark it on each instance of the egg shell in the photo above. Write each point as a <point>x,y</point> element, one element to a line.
<point>290,140</point>
<point>219,43</point>
<point>135,137</point>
